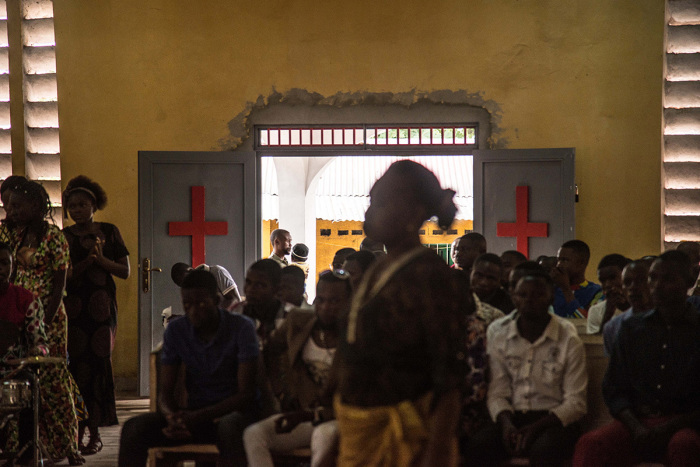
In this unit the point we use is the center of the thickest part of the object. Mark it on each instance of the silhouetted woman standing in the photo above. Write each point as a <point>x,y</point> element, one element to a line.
<point>97,253</point>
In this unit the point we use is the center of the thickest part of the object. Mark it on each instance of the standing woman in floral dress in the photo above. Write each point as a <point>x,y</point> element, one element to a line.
<point>97,253</point>
<point>41,253</point>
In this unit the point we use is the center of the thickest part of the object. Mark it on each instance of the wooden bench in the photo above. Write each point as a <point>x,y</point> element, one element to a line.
<point>172,456</point>
<point>208,454</point>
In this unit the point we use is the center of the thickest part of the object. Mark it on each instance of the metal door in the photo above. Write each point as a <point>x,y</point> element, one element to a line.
<point>525,194</point>
<point>214,198</point>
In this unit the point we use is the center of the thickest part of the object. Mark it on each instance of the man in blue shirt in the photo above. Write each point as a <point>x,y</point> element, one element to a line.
<point>220,352</point>
<point>636,286</point>
<point>574,294</point>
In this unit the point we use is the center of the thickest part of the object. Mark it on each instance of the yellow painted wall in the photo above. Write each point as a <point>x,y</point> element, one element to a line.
<point>327,245</point>
<point>267,227</point>
<point>170,75</point>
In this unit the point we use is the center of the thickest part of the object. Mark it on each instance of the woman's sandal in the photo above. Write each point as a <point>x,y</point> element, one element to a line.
<point>75,459</point>
<point>93,446</point>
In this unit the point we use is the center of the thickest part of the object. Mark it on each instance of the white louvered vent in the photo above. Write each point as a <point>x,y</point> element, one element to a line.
<point>42,151</point>
<point>5,125</point>
<point>681,158</point>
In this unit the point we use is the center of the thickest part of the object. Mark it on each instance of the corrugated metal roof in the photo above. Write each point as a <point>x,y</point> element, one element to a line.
<point>343,187</point>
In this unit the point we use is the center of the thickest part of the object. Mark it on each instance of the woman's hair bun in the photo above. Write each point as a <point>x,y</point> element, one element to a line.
<point>446,209</point>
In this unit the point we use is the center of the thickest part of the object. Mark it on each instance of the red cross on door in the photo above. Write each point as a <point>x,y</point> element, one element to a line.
<point>522,229</point>
<point>198,228</point>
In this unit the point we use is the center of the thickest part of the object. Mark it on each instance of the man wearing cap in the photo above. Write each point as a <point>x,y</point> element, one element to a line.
<point>300,254</point>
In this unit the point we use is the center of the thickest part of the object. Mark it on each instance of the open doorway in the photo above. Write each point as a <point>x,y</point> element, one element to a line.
<point>330,195</point>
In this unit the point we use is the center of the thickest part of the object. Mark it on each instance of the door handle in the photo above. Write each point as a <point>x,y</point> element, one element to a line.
<point>146,274</point>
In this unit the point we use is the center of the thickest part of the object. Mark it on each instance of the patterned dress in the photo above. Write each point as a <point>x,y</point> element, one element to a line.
<point>34,271</point>
<point>91,304</point>
<point>21,308</point>
<point>474,415</point>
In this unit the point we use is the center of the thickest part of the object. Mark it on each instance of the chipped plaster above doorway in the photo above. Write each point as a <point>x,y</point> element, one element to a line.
<point>305,107</point>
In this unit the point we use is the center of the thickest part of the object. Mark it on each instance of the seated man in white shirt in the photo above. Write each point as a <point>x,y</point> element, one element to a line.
<point>615,302</point>
<point>537,391</point>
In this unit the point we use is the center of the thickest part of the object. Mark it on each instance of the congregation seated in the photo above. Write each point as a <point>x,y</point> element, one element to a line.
<point>304,346</point>
<point>228,290</point>
<point>474,413</point>
<point>485,281</point>
<point>510,259</point>
<point>261,303</point>
<point>291,291</point>
<point>522,270</point>
<point>499,417</point>
<point>227,286</point>
<point>574,295</point>
<point>373,246</point>
<point>340,257</point>
<point>636,288</point>
<point>692,249</point>
<point>356,264</point>
<point>537,390</point>
<point>651,386</point>
<point>220,352</point>
<point>485,312</point>
<point>547,262</point>
<point>615,301</point>
<point>467,249</point>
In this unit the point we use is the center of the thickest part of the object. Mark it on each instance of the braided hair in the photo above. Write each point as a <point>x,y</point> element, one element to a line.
<point>36,194</point>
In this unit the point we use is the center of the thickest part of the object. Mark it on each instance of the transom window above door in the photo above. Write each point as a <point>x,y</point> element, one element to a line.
<point>463,135</point>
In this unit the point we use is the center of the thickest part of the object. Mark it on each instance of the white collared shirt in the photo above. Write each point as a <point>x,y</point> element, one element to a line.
<point>548,374</point>
<point>595,317</point>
